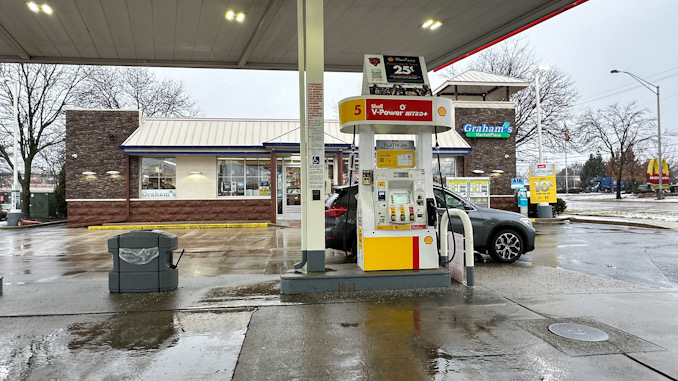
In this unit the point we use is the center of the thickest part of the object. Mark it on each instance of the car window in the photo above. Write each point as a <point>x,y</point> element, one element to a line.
<point>343,198</point>
<point>450,201</point>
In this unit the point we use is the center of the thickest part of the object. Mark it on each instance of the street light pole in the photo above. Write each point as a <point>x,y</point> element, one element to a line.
<point>544,210</point>
<point>536,88</point>
<point>649,86</point>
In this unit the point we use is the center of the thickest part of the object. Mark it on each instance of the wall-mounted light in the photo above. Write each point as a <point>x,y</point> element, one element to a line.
<point>195,173</point>
<point>113,173</point>
<point>89,173</point>
<point>431,24</point>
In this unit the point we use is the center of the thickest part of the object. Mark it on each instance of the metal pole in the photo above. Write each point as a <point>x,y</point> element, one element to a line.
<point>660,194</point>
<point>536,87</point>
<point>16,190</point>
<point>565,149</point>
<point>543,208</point>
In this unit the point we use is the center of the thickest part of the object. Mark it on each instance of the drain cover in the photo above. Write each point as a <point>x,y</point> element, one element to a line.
<point>578,332</point>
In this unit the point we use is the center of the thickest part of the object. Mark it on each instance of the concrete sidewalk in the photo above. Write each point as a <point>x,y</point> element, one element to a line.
<point>229,321</point>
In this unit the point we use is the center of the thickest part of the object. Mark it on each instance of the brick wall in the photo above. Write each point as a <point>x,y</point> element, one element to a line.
<point>488,153</point>
<point>94,136</point>
<point>85,213</point>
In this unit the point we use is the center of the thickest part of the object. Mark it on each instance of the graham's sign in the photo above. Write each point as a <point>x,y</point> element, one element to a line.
<point>488,131</point>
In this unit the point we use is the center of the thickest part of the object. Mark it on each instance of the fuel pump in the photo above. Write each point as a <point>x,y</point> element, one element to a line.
<point>396,216</point>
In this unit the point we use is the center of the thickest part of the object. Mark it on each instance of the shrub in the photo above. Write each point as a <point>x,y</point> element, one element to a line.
<point>558,208</point>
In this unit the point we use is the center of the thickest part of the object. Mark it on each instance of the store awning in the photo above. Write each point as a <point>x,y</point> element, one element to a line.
<point>476,85</point>
<point>252,136</point>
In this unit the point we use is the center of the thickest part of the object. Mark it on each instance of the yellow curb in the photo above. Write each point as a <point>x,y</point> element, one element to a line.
<point>180,226</point>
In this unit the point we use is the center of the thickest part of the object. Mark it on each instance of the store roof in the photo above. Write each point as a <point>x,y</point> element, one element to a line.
<point>178,135</point>
<point>184,33</point>
<point>476,85</point>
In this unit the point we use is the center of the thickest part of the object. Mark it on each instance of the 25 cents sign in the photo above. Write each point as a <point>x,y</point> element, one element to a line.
<point>542,183</point>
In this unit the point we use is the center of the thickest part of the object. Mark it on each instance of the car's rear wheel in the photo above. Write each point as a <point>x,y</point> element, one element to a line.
<point>506,246</point>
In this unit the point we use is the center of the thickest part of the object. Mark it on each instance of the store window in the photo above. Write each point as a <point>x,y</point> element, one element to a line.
<point>448,168</point>
<point>158,177</point>
<point>244,177</point>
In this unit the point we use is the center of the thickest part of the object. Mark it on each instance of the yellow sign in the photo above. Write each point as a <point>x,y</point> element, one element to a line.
<point>543,183</point>
<point>395,159</point>
<point>352,111</point>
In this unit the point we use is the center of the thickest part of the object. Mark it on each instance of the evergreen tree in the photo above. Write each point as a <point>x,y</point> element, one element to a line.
<point>593,167</point>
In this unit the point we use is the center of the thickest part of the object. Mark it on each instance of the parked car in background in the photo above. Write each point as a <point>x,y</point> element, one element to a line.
<point>505,236</point>
<point>643,188</point>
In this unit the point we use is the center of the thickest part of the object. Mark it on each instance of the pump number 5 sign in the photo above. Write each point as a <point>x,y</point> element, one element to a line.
<point>542,183</point>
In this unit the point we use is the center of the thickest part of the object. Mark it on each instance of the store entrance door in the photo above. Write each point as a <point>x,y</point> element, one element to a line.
<point>292,193</point>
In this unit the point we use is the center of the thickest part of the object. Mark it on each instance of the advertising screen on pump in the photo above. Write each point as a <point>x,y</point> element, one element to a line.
<point>395,75</point>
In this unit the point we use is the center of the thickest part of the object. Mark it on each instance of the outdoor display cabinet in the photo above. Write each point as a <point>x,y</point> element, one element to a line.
<point>142,261</point>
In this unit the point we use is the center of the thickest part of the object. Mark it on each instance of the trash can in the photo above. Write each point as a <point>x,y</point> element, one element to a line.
<point>142,261</point>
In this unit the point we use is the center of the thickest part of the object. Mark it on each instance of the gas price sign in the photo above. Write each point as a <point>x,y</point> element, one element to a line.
<point>542,183</point>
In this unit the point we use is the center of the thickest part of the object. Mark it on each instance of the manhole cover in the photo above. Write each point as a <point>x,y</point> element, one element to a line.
<point>578,332</point>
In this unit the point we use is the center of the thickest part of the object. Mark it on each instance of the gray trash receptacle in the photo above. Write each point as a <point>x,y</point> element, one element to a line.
<point>142,261</point>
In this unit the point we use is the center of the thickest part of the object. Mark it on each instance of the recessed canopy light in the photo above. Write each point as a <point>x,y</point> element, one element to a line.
<point>113,173</point>
<point>478,171</point>
<point>240,17</point>
<point>33,6</point>
<point>47,9</point>
<point>89,173</point>
<point>230,15</point>
<point>431,24</point>
<point>195,173</point>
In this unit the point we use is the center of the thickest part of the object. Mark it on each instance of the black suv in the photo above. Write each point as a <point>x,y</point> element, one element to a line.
<point>505,236</point>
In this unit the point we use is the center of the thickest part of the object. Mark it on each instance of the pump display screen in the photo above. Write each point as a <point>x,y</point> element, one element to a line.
<point>401,175</point>
<point>400,198</point>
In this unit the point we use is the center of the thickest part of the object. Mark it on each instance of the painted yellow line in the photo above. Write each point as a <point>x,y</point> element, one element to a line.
<point>180,226</point>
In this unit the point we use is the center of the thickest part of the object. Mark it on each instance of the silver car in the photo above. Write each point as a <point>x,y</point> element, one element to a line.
<point>505,236</point>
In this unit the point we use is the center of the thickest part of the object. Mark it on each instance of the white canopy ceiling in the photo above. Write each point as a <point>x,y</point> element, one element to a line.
<point>195,33</point>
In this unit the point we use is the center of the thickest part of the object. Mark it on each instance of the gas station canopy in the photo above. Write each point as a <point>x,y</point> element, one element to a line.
<point>194,33</point>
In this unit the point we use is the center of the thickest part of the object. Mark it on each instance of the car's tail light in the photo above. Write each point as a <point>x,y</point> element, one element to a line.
<point>335,211</point>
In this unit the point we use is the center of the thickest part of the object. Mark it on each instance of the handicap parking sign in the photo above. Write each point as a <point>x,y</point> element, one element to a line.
<point>316,160</point>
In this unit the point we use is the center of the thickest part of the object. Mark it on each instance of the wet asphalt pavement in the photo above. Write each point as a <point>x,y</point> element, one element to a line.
<point>227,320</point>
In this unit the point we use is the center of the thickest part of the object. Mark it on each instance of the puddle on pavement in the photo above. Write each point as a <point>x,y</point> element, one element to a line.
<point>129,331</point>
<point>187,345</point>
<point>266,290</point>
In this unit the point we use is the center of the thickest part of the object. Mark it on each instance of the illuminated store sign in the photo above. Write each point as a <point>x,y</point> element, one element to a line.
<point>486,131</point>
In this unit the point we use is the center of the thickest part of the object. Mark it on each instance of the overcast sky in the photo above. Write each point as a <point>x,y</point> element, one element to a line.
<point>586,42</point>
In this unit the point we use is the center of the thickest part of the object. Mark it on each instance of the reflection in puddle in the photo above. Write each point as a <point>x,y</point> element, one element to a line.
<point>130,331</point>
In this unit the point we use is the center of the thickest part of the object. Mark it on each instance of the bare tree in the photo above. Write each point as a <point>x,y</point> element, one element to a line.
<point>44,93</point>
<point>136,88</point>
<point>513,58</point>
<point>617,130</point>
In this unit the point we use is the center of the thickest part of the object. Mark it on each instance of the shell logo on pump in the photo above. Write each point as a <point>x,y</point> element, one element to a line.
<point>428,240</point>
<point>442,111</point>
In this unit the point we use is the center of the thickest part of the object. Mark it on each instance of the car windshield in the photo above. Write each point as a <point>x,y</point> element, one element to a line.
<point>450,200</point>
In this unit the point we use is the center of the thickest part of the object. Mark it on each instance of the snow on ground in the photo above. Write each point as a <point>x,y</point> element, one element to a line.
<point>591,201</point>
